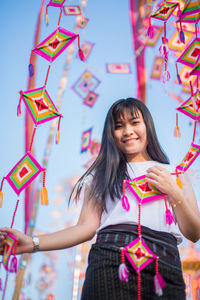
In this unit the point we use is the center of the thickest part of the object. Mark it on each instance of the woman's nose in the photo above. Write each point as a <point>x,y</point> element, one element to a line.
<point>128,130</point>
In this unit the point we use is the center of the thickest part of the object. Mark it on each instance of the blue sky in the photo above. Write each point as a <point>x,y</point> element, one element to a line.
<point>109,29</point>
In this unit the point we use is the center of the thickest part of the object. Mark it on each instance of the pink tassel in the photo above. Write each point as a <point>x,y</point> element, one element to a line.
<point>1,289</point>
<point>123,271</point>
<point>159,284</point>
<point>165,76</point>
<point>13,267</point>
<point>81,55</point>
<point>150,32</point>
<point>169,217</point>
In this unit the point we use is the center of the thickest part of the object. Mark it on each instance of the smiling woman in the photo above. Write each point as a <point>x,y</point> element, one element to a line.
<point>129,151</point>
<point>130,136</point>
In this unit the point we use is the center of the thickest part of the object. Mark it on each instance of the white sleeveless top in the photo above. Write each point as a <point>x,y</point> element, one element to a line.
<point>152,213</point>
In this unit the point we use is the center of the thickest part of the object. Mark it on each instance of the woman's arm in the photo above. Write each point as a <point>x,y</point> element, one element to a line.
<point>84,230</point>
<point>183,201</point>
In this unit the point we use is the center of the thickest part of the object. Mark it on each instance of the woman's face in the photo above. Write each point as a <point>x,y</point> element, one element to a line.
<point>130,136</point>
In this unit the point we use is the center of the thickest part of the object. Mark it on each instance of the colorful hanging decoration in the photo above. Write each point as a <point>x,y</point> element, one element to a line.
<point>190,54</point>
<point>142,190</point>
<point>190,12</point>
<point>163,13</point>
<point>10,248</point>
<point>175,44</point>
<point>157,68</point>
<point>86,140</point>
<point>139,254</point>
<point>191,107</point>
<point>185,77</point>
<point>72,10</point>
<point>87,49</point>
<point>87,82</point>
<point>82,21</point>
<point>23,173</point>
<point>189,158</point>
<point>51,47</point>
<point>56,3</point>
<point>90,99</point>
<point>39,105</point>
<point>122,68</point>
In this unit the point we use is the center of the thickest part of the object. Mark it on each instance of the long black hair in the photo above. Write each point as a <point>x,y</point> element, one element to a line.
<point>110,167</point>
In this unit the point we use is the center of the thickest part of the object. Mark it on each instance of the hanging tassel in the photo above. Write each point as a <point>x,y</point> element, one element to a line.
<point>43,191</point>
<point>125,202</point>
<point>169,218</point>
<point>177,131</point>
<point>179,181</point>
<point>80,51</point>
<point>123,271</point>
<point>1,199</point>
<point>159,282</point>
<point>1,193</point>
<point>150,30</point>
<point>19,110</point>
<point>1,289</point>
<point>47,18</point>
<point>13,266</point>
<point>165,76</point>
<point>178,76</point>
<point>58,131</point>
<point>30,67</point>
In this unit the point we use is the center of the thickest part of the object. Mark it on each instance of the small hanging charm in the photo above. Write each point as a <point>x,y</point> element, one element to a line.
<point>125,202</point>
<point>159,282</point>
<point>43,191</point>
<point>169,218</point>
<point>123,271</point>
<point>178,180</point>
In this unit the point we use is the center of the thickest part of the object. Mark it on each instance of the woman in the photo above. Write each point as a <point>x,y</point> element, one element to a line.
<point>129,149</point>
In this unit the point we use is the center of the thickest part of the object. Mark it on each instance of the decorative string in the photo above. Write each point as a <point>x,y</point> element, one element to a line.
<point>138,286</point>
<point>13,218</point>
<point>32,139</point>
<point>60,17</point>
<point>47,75</point>
<point>194,133</point>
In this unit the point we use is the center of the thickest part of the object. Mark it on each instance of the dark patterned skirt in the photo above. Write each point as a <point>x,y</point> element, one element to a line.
<point>102,281</point>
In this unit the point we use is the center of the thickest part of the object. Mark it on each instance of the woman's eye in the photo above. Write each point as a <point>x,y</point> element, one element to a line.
<point>118,126</point>
<point>135,122</point>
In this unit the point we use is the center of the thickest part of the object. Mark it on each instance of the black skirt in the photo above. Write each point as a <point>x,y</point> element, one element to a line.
<point>102,281</point>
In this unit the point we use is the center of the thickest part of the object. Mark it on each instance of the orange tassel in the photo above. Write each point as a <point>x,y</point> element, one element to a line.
<point>179,182</point>
<point>58,137</point>
<point>44,196</point>
<point>1,199</point>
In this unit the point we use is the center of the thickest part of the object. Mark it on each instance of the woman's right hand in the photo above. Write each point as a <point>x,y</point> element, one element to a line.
<point>24,245</point>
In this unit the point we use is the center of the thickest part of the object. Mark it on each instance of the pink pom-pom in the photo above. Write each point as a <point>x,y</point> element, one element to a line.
<point>150,32</point>
<point>81,55</point>
<point>13,267</point>
<point>19,112</point>
<point>123,273</point>
<point>159,284</point>
<point>165,76</point>
<point>164,49</point>
<point>169,217</point>
<point>125,203</point>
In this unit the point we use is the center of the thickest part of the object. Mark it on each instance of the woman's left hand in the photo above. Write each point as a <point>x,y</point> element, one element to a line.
<point>161,179</point>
